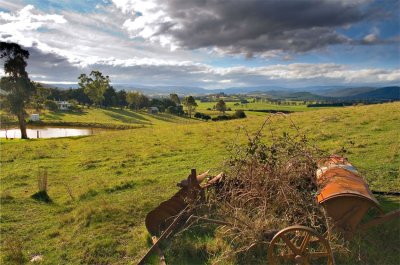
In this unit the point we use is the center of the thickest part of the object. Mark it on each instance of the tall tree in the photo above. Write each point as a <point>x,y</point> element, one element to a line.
<point>16,83</point>
<point>121,98</point>
<point>110,97</point>
<point>79,95</point>
<point>94,85</point>
<point>190,104</point>
<point>175,98</point>
<point>137,100</point>
<point>221,106</point>
<point>40,96</point>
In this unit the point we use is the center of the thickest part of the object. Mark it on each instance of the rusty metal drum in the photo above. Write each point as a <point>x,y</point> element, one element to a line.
<point>344,194</point>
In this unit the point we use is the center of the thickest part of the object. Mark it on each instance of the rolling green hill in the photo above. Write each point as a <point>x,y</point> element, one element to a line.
<point>102,186</point>
<point>384,93</point>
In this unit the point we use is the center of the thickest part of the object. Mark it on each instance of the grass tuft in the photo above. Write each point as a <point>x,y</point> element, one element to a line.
<point>13,251</point>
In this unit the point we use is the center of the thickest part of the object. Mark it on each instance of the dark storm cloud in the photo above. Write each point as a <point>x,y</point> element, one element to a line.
<point>50,66</point>
<point>259,26</point>
<point>47,66</point>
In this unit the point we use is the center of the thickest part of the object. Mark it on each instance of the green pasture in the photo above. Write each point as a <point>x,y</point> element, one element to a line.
<point>107,117</point>
<point>102,186</point>
<point>257,106</point>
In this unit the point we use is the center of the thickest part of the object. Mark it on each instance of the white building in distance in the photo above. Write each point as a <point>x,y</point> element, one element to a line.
<point>34,117</point>
<point>63,105</point>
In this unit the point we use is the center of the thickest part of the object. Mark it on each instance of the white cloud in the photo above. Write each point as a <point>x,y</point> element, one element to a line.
<point>16,27</point>
<point>88,38</point>
<point>66,44</point>
<point>150,71</point>
<point>370,38</point>
<point>148,20</point>
<point>26,20</point>
<point>373,36</point>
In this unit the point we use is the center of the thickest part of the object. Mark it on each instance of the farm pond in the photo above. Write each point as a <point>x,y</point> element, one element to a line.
<point>50,132</point>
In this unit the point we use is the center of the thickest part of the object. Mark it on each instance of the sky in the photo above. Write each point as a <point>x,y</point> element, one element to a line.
<point>209,43</point>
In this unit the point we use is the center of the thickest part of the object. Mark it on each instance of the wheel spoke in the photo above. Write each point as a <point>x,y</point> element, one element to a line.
<point>301,245</point>
<point>290,245</point>
<point>304,244</point>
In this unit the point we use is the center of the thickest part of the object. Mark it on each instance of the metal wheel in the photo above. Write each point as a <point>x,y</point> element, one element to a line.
<point>299,245</point>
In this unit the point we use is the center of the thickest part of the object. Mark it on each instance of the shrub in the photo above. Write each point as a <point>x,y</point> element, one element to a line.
<point>224,117</point>
<point>171,110</point>
<point>198,115</point>
<point>269,184</point>
<point>221,118</point>
<point>75,106</point>
<point>51,105</point>
<point>175,110</point>
<point>239,114</point>
<point>206,117</point>
<point>202,116</point>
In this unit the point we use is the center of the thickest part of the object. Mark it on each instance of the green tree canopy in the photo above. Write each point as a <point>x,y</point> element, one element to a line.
<point>190,104</point>
<point>40,96</point>
<point>137,100</point>
<point>94,86</point>
<point>221,106</point>
<point>175,98</point>
<point>121,98</point>
<point>110,97</point>
<point>16,83</point>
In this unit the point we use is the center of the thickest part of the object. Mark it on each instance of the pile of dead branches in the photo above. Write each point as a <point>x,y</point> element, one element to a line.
<point>270,184</point>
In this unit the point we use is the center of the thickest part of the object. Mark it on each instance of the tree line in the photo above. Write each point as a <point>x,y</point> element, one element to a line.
<point>133,100</point>
<point>19,93</point>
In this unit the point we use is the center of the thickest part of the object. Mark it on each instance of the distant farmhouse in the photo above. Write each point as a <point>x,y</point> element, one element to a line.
<point>63,105</point>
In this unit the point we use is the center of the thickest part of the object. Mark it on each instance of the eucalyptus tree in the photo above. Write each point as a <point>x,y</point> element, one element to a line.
<point>94,85</point>
<point>18,88</point>
<point>221,106</point>
<point>190,104</point>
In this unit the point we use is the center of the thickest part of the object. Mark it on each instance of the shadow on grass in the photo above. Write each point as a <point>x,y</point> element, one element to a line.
<point>78,137</point>
<point>126,116</point>
<point>42,196</point>
<point>54,116</point>
<point>165,117</point>
<point>189,246</point>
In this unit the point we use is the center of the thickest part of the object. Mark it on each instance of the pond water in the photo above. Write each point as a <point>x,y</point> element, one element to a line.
<point>49,132</point>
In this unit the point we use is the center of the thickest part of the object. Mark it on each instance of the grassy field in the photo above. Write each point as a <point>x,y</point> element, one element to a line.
<point>113,116</point>
<point>257,106</point>
<point>102,186</point>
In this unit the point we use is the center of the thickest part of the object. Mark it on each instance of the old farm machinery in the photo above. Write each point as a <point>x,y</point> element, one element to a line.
<point>343,194</point>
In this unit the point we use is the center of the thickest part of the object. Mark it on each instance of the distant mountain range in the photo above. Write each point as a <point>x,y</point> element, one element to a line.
<point>384,93</point>
<point>303,93</point>
<point>344,92</point>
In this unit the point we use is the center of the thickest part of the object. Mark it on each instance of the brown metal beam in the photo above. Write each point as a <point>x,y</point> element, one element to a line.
<point>379,220</point>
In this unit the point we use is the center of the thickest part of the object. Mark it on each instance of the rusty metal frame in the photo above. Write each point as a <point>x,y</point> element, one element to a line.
<point>193,194</point>
<point>354,193</point>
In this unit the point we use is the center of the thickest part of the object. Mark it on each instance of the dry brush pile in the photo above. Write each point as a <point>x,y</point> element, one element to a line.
<point>267,187</point>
